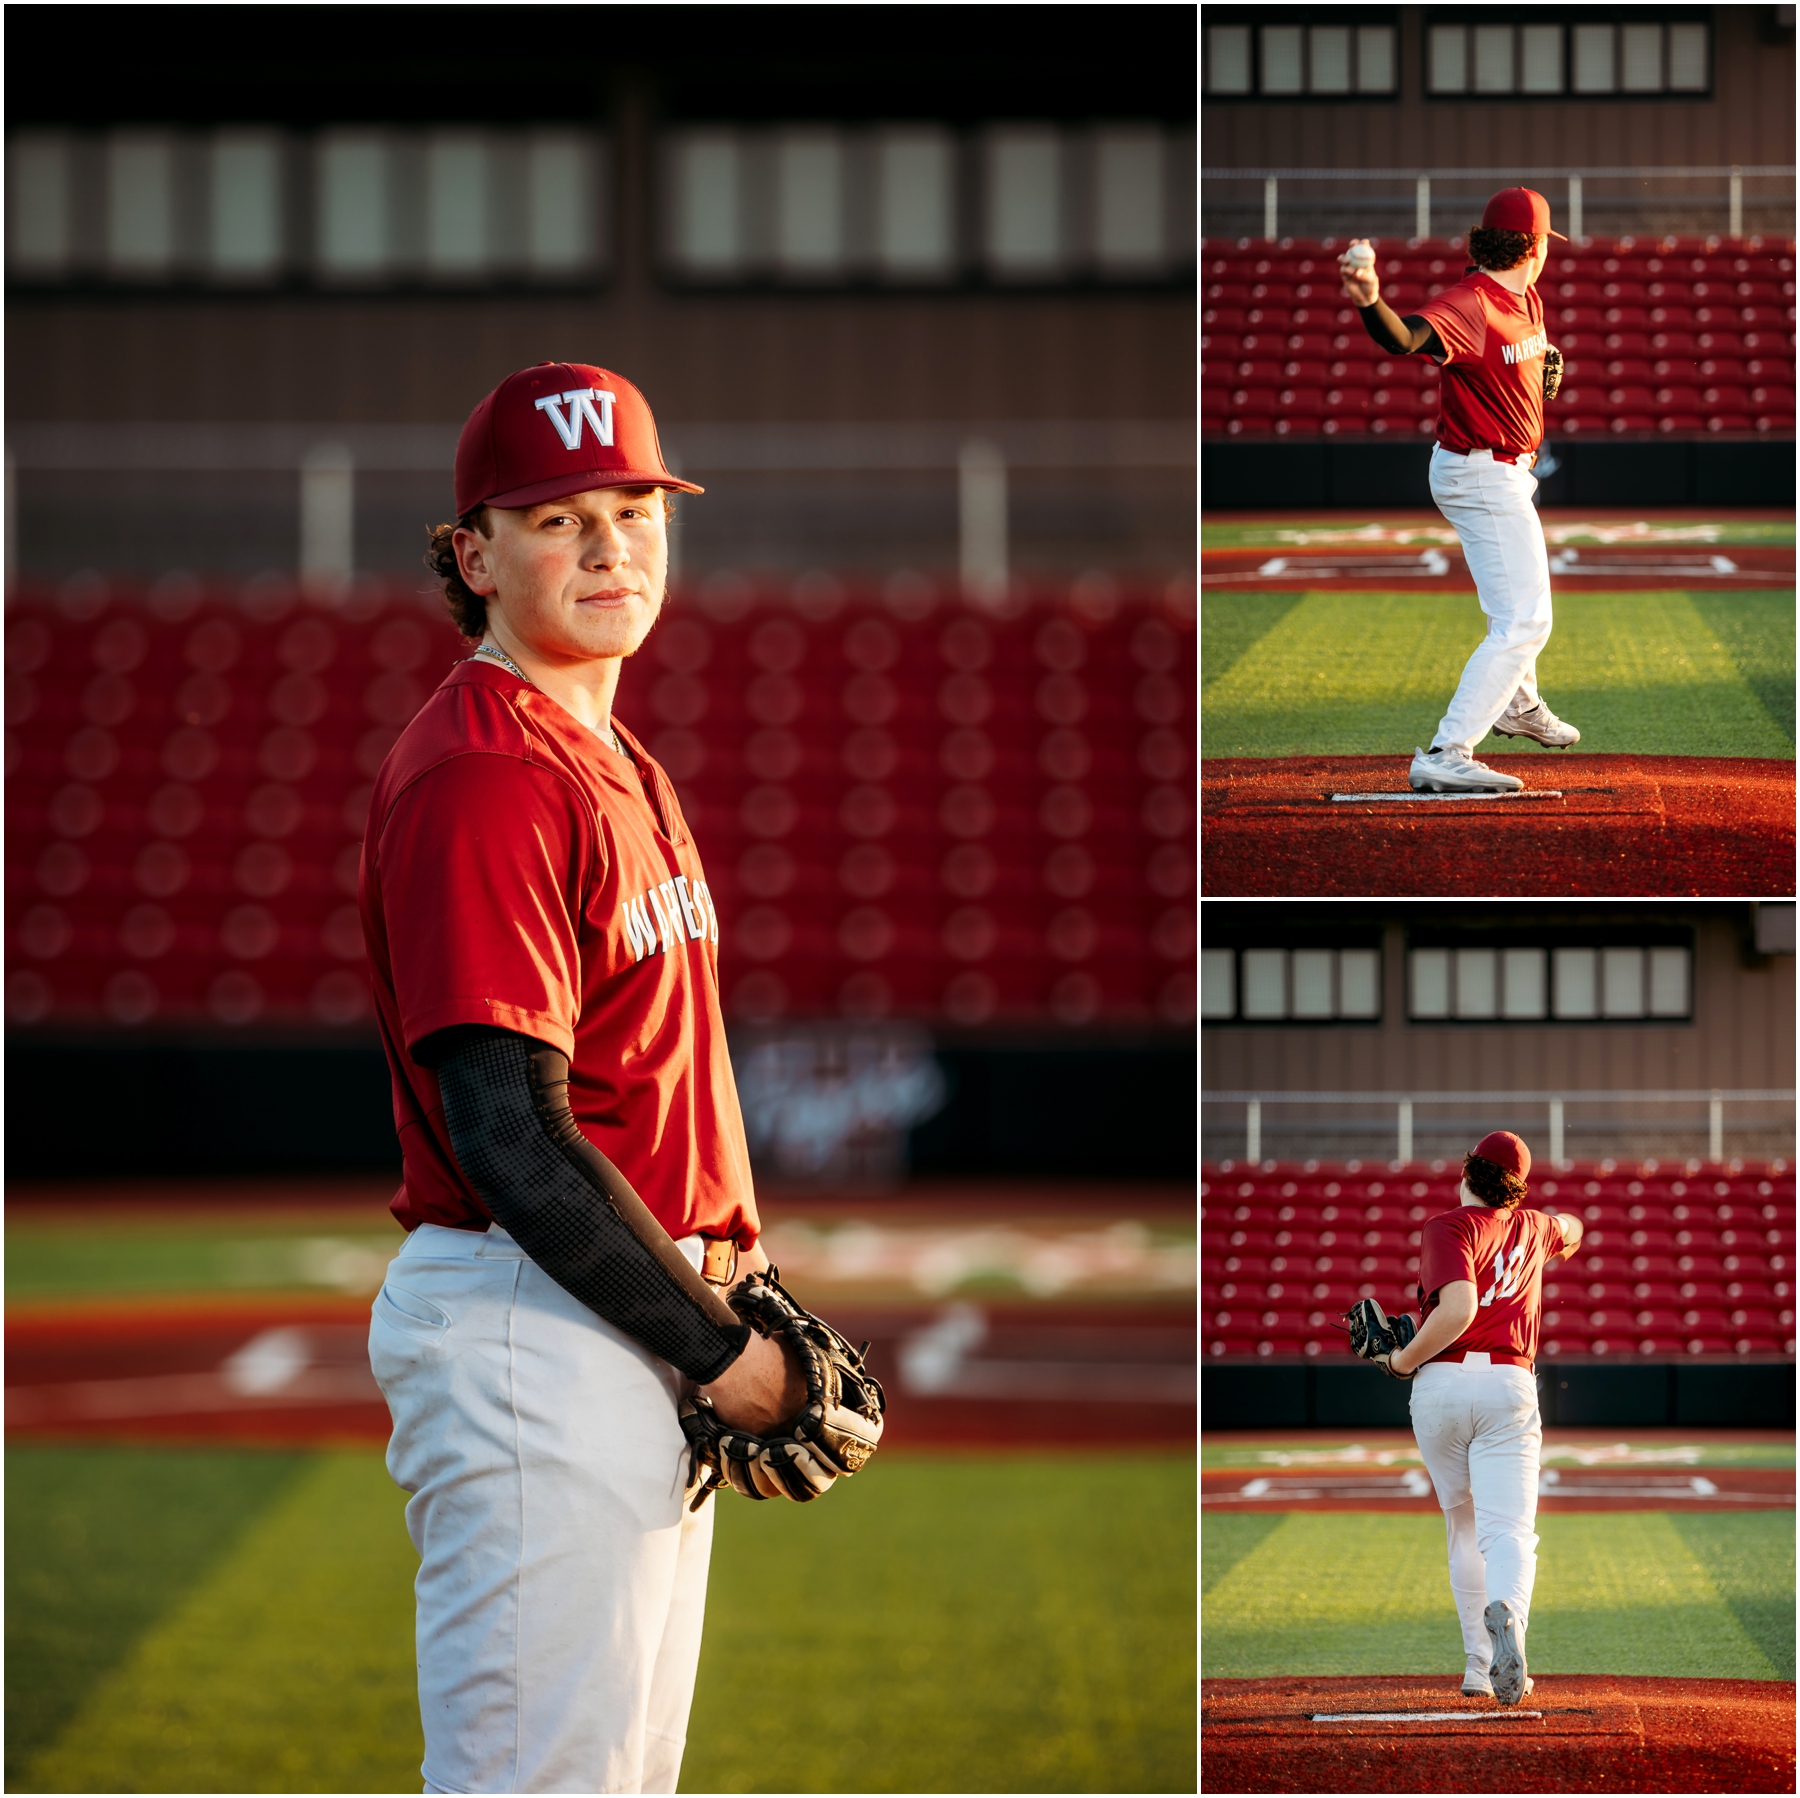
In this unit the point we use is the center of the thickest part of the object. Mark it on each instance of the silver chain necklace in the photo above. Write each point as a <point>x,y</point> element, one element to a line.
<point>506,661</point>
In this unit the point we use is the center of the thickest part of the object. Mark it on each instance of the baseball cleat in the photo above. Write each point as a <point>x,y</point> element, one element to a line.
<point>1507,1634</point>
<point>1476,1683</point>
<point>1540,724</point>
<point>1456,771</point>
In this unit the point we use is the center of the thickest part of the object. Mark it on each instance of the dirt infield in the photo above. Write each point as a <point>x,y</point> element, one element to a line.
<point>1615,569</point>
<point>290,1371</point>
<point>1657,825</point>
<point>1559,1489</point>
<point>1574,1733</point>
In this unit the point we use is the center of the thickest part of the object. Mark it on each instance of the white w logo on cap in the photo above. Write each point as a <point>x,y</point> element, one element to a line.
<point>581,400</point>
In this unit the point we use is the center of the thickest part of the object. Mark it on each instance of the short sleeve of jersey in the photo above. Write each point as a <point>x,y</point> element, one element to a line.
<point>1444,1254</point>
<point>1457,316</point>
<point>480,862</point>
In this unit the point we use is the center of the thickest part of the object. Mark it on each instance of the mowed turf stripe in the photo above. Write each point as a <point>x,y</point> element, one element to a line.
<point>1749,1557</point>
<point>1229,1538</point>
<point>1757,631</point>
<point>101,1543</point>
<point>1371,673</point>
<point>1231,624</point>
<point>1023,1624</point>
<point>1352,1592</point>
<point>288,1669</point>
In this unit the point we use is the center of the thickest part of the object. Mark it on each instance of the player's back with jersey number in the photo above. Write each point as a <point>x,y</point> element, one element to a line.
<point>1503,1252</point>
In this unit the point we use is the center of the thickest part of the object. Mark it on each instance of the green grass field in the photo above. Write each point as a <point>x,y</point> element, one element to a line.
<point>54,1257</point>
<point>195,1621</point>
<point>1651,673</point>
<point>1707,1594</point>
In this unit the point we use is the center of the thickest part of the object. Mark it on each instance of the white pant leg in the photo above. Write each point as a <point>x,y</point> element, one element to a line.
<point>1488,504</point>
<point>1444,1424</point>
<point>1468,1579</point>
<point>562,1581</point>
<point>1504,1458</point>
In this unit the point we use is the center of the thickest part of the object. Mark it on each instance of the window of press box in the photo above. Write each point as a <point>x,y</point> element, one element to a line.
<point>919,204</point>
<point>1645,56</point>
<point>1290,985</point>
<point>1300,59</point>
<point>1572,985</point>
<point>362,205</point>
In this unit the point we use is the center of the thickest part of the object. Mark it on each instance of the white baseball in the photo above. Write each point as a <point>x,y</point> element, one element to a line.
<point>1359,255</point>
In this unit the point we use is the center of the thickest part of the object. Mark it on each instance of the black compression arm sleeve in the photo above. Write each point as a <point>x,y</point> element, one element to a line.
<point>506,1106</point>
<point>1395,335</point>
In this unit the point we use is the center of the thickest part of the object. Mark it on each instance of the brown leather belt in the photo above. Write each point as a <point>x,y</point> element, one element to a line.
<point>719,1262</point>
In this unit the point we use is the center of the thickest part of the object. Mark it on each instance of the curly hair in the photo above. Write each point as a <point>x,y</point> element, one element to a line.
<point>1496,251</point>
<point>467,608</point>
<point>1492,1184</point>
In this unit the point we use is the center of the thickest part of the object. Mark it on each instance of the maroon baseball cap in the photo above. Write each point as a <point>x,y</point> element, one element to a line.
<point>557,429</point>
<point>1505,1150</point>
<point>1519,209</point>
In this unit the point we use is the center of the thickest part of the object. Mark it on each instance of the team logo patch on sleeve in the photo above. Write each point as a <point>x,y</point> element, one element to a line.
<point>671,912</point>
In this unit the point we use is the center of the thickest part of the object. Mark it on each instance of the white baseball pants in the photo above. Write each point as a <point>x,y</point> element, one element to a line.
<point>1488,504</point>
<point>1481,1438</point>
<point>562,1582</point>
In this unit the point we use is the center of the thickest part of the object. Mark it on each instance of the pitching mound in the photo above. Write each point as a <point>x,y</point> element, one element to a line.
<point>1573,1733</point>
<point>1655,825</point>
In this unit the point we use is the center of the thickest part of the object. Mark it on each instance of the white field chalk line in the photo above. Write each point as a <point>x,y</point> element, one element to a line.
<point>1419,798</point>
<point>1425,1716</point>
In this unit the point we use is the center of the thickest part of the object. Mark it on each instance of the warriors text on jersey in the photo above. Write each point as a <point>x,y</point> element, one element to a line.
<point>1493,382</point>
<point>517,873</point>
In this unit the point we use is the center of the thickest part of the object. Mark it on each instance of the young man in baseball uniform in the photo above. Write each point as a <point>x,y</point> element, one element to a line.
<point>577,1193</point>
<point>1474,1399</point>
<point>1487,333</point>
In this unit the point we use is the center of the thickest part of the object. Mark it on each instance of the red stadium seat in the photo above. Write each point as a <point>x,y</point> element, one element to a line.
<point>1254,373</point>
<point>1256,402</point>
<point>1299,424</point>
<point>1770,371</point>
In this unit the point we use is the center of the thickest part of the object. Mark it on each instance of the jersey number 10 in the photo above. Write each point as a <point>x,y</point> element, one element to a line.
<point>1507,1270</point>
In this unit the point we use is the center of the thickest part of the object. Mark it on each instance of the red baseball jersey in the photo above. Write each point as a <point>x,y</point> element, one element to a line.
<point>516,872</point>
<point>1493,383</point>
<point>1503,1253</point>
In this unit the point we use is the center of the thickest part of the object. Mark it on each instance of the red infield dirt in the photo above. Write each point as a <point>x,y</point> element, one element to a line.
<point>290,1371</point>
<point>1614,569</point>
<point>1644,825</point>
<point>1574,1733</point>
<point>1561,1489</point>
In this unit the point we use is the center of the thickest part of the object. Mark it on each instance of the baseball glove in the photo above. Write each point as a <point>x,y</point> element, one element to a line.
<point>832,1434</point>
<point>1552,372</point>
<point>1375,1336</point>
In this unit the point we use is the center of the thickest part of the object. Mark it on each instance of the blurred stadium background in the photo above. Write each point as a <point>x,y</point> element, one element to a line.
<point>921,322</point>
<point>1662,137</point>
<point>1352,1053</point>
